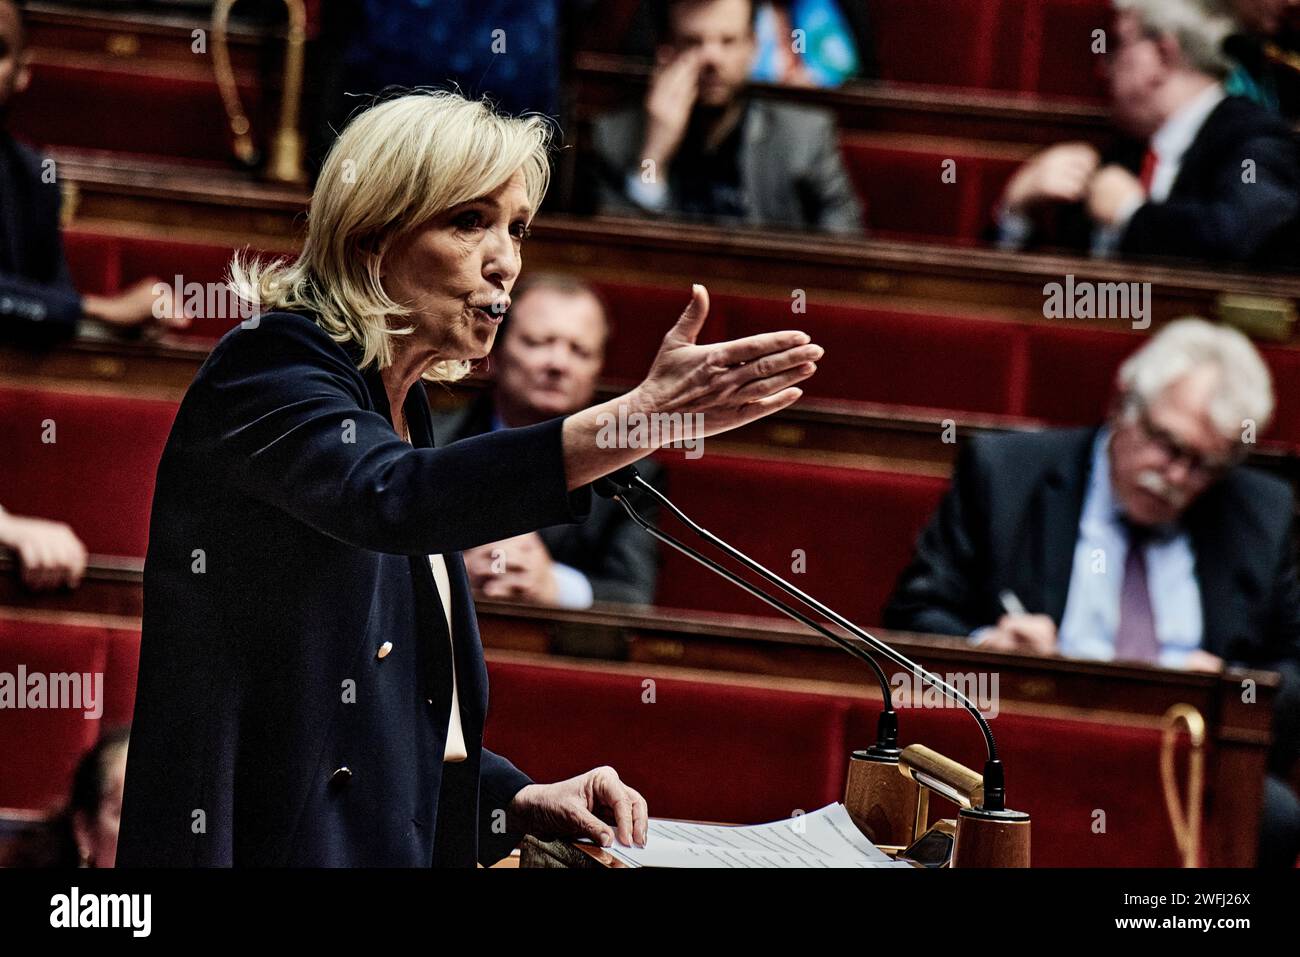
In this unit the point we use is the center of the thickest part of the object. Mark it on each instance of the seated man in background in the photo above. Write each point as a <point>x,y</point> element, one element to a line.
<point>1208,176</point>
<point>38,302</point>
<point>548,356</point>
<point>839,42</point>
<point>84,833</point>
<point>49,553</point>
<point>1142,540</point>
<point>701,148</point>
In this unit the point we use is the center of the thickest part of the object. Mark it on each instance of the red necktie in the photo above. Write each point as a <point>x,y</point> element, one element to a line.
<point>1148,173</point>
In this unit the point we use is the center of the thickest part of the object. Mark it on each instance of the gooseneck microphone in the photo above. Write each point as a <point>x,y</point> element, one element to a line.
<point>617,484</point>
<point>612,486</point>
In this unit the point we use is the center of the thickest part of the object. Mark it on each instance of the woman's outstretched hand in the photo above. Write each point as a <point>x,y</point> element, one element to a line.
<point>729,383</point>
<point>703,389</point>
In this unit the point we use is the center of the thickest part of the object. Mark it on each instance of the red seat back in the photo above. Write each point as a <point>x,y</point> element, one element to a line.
<point>40,748</point>
<point>98,473</point>
<point>940,192</point>
<point>896,358</point>
<point>733,752</point>
<point>695,750</point>
<point>851,530</point>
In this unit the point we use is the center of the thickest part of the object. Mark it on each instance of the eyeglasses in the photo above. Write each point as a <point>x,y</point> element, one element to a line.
<point>1172,450</point>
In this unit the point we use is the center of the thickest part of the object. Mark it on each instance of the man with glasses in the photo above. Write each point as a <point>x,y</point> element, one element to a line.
<point>1200,174</point>
<point>1143,540</point>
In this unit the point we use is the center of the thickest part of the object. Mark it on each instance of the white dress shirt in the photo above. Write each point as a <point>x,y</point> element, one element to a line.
<point>455,749</point>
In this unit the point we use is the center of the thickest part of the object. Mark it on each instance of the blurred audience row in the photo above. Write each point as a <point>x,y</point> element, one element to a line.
<point>1203,164</point>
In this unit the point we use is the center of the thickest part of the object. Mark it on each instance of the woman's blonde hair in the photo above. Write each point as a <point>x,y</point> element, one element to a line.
<point>395,166</point>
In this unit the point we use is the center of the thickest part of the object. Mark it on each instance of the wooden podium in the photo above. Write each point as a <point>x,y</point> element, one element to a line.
<point>888,797</point>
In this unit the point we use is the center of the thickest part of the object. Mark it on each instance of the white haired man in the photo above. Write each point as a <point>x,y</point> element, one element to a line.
<point>1142,540</point>
<point>1201,175</point>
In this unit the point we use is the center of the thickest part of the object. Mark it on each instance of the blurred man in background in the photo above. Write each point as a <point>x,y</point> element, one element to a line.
<point>38,302</point>
<point>699,147</point>
<point>84,832</point>
<point>548,357</point>
<point>1207,176</point>
<point>1142,540</point>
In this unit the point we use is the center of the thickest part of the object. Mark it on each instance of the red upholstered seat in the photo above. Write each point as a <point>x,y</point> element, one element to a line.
<point>941,42</point>
<point>1030,46</point>
<point>897,358</point>
<point>1072,371</point>
<point>200,263</point>
<point>39,748</point>
<point>715,751</point>
<point>1285,366</point>
<point>703,751</point>
<point>913,192</point>
<point>640,316</point>
<point>1092,788</point>
<point>1071,376</point>
<point>122,663</point>
<point>855,528</point>
<point>1055,47</point>
<point>94,261</point>
<point>97,475</point>
<point>128,112</point>
<point>108,263</point>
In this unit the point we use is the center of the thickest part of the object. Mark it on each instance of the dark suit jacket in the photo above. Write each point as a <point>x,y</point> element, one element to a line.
<point>289,540</point>
<point>38,303</point>
<point>1210,213</point>
<point>618,557</point>
<point>1011,519</point>
<point>790,167</point>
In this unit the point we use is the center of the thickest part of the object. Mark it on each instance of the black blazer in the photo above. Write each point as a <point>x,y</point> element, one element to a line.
<point>1011,519</point>
<point>1210,213</point>
<point>38,303</point>
<point>288,543</point>
<point>618,557</point>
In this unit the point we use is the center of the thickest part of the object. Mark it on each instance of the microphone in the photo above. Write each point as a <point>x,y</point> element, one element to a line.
<point>617,484</point>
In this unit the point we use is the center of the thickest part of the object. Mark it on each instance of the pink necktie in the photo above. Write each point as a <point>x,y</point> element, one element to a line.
<point>1135,639</point>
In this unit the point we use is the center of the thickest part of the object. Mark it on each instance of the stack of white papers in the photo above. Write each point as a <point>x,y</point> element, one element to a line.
<point>825,838</point>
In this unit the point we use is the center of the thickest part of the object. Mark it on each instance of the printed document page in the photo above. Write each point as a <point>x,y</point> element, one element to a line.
<point>824,838</point>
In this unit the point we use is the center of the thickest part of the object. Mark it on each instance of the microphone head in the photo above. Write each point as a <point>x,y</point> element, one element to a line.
<point>616,483</point>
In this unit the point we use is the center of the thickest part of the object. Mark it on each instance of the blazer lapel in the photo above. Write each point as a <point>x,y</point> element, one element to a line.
<point>471,672</point>
<point>1064,488</point>
<point>1221,574</point>
<point>1202,155</point>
